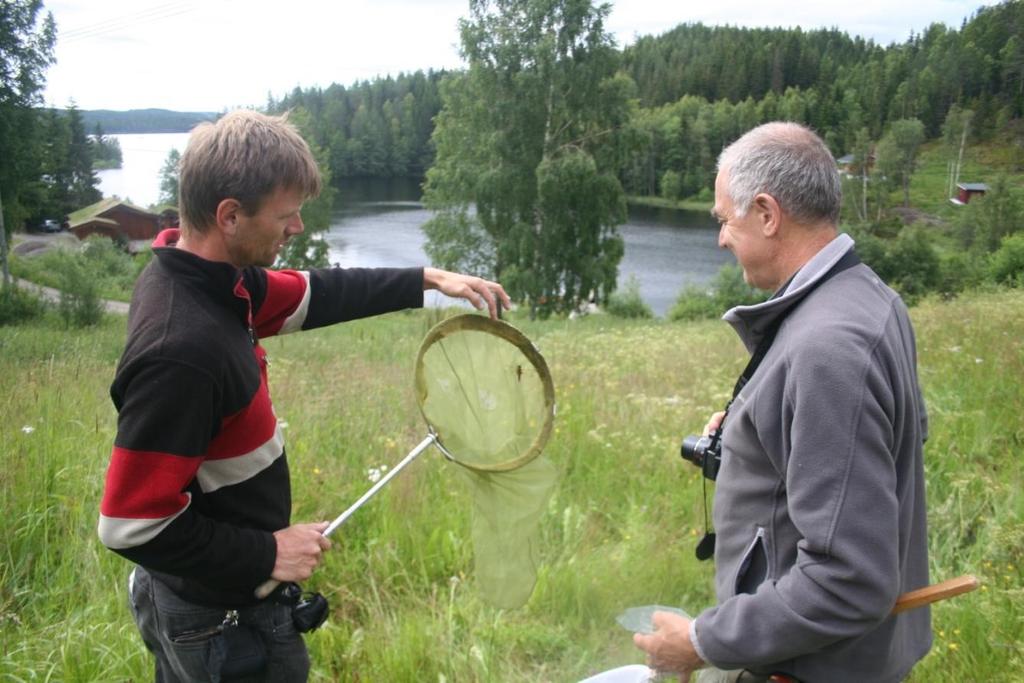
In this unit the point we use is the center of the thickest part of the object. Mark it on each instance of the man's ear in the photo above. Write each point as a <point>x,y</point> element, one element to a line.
<point>769,213</point>
<point>227,214</point>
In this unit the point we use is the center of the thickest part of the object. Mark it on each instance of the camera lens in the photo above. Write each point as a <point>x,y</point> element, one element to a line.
<point>692,449</point>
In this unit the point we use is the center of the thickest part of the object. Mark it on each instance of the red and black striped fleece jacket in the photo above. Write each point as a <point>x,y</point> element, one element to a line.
<point>198,478</point>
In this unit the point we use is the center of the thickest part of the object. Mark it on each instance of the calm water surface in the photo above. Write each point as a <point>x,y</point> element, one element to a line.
<point>144,154</point>
<point>378,223</point>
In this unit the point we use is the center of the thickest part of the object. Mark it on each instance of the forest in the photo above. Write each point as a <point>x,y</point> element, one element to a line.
<point>647,121</point>
<point>656,114</point>
<point>697,87</point>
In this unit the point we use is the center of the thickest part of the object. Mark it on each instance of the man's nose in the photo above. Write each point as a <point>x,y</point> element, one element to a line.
<point>296,226</point>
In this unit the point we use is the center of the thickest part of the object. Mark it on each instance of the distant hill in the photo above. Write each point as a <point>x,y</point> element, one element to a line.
<point>145,120</point>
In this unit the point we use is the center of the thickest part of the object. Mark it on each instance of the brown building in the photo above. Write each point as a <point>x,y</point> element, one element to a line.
<point>964,192</point>
<point>116,219</point>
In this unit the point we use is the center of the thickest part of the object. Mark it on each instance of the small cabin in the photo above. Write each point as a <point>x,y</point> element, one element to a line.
<point>116,219</point>
<point>964,192</point>
<point>848,164</point>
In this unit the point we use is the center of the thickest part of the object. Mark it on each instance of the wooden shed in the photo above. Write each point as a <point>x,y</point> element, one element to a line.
<point>115,218</point>
<point>964,192</point>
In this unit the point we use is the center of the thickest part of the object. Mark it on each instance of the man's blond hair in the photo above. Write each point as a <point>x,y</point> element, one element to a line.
<point>244,155</point>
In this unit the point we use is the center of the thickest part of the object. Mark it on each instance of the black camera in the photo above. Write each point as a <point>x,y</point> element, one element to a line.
<point>704,451</point>
<point>309,610</point>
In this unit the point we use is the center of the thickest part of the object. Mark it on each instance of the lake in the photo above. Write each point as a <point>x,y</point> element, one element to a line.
<point>138,179</point>
<point>377,223</point>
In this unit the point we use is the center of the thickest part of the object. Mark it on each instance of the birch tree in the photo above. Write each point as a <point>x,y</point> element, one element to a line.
<point>528,141</point>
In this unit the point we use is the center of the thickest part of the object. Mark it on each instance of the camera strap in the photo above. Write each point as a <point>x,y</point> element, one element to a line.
<point>706,546</point>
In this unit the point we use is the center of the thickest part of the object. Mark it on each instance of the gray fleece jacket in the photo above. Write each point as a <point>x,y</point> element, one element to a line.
<point>819,506</point>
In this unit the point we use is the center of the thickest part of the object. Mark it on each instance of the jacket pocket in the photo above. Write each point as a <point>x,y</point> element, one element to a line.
<point>753,569</point>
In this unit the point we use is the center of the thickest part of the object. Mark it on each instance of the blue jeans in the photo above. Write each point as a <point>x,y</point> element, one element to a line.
<point>162,618</point>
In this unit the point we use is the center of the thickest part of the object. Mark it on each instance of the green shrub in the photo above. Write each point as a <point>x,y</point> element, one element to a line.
<point>109,267</point>
<point>80,304</point>
<point>727,290</point>
<point>694,303</point>
<point>912,265</point>
<point>671,185</point>
<point>1006,265</point>
<point>870,248</point>
<point>960,271</point>
<point>18,305</point>
<point>908,261</point>
<point>627,302</point>
<point>732,290</point>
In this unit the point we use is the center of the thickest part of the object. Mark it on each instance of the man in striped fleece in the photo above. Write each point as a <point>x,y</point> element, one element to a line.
<point>197,492</point>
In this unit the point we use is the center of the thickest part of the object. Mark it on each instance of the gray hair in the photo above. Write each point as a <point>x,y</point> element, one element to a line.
<point>789,162</point>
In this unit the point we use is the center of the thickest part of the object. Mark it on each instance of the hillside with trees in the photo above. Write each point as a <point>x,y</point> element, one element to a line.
<point>378,128</point>
<point>145,120</point>
<point>698,87</point>
<point>686,95</point>
<point>903,117</point>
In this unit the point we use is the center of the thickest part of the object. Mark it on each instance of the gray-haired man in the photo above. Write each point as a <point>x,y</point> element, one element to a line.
<point>819,506</point>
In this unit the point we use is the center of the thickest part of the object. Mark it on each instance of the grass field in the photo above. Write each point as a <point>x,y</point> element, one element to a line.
<point>619,532</point>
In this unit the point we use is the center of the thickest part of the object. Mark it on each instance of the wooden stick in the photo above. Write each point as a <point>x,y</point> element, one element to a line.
<point>939,591</point>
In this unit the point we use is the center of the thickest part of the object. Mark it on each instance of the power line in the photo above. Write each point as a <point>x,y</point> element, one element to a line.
<point>122,18</point>
<point>120,23</point>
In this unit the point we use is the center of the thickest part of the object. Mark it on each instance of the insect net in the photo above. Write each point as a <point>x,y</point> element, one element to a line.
<point>487,394</point>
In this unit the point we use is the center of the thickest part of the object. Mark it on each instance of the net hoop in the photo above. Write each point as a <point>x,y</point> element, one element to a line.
<point>502,330</point>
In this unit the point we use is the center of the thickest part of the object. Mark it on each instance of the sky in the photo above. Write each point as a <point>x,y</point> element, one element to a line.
<point>214,55</point>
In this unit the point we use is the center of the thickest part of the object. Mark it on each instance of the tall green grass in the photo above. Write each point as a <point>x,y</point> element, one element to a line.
<point>619,532</point>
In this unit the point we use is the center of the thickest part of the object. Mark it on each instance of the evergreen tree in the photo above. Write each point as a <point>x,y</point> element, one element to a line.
<point>106,150</point>
<point>169,175</point>
<point>83,189</point>
<point>524,183</point>
<point>26,48</point>
<point>56,170</point>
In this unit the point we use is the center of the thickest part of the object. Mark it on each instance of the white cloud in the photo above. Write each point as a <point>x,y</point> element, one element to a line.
<point>209,55</point>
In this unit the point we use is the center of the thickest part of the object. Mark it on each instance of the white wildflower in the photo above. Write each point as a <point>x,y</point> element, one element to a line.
<point>373,474</point>
<point>28,429</point>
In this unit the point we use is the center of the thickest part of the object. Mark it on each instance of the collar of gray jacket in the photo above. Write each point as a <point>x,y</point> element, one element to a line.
<point>750,322</point>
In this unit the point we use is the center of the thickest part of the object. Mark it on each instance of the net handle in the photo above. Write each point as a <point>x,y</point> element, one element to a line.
<point>939,591</point>
<point>268,586</point>
<point>502,330</point>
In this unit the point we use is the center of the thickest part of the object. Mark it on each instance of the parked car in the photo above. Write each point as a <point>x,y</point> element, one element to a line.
<point>49,225</point>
